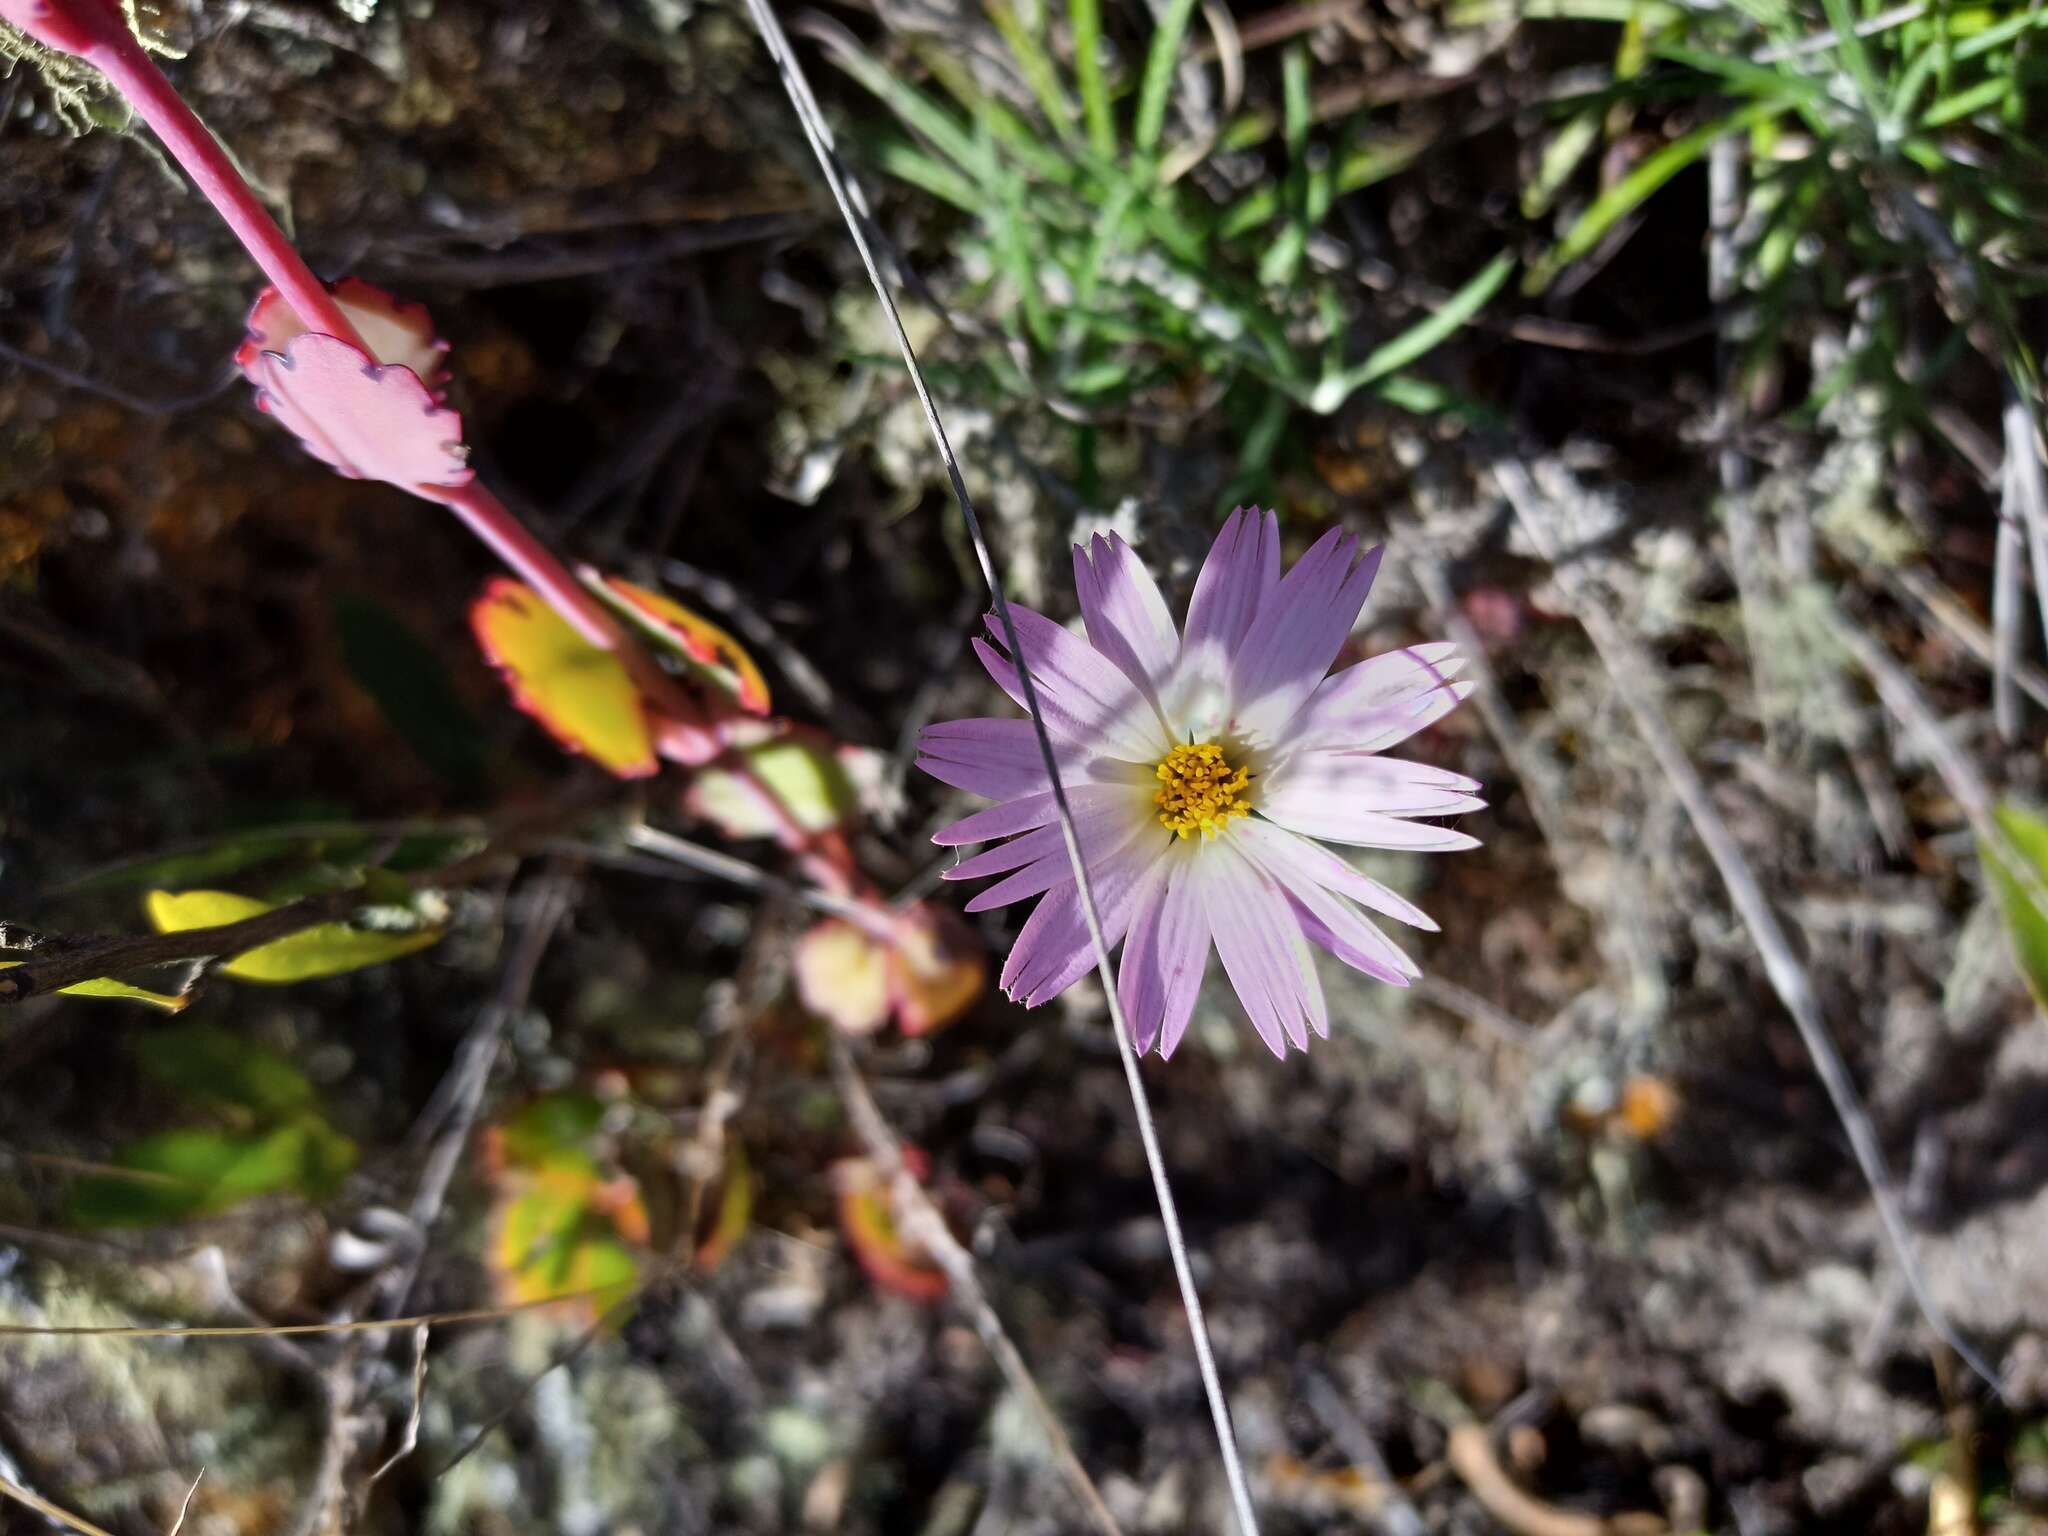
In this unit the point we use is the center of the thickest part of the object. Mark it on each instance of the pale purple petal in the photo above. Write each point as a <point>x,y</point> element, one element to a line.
<point>1299,631</point>
<point>1128,621</point>
<point>1165,954</point>
<point>1391,786</point>
<point>1053,950</point>
<point>1393,677</point>
<point>1334,924</point>
<point>1264,951</point>
<point>1325,917</point>
<point>1351,718</point>
<point>1103,815</point>
<point>1242,568</point>
<point>1362,828</point>
<point>996,758</point>
<point>1045,862</point>
<point>1085,697</point>
<point>1024,815</point>
<point>1296,862</point>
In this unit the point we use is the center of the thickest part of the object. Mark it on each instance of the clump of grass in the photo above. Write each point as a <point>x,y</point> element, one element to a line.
<point>1114,272</point>
<point>1888,158</point>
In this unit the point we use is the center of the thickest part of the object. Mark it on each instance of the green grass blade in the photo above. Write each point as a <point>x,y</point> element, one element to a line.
<point>1021,140</point>
<point>1419,339</point>
<point>903,160</point>
<point>1356,169</point>
<point>918,112</point>
<point>1998,35</point>
<point>1086,17</point>
<point>1985,93</point>
<point>1160,59</point>
<point>1563,155</point>
<point>1855,56</point>
<point>1628,194</point>
<point>1036,65</point>
<point>1740,76</point>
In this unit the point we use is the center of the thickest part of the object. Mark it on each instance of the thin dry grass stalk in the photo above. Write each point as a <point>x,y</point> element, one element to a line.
<point>921,1222</point>
<point>853,209</point>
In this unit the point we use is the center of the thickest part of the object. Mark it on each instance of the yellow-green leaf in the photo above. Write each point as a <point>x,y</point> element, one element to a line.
<point>326,949</point>
<point>2020,890</point>
<point>106,986</point>
<point>802,772</point>
<point>735,1210</point>
<point>583,695</point>
<point>560,1225</point>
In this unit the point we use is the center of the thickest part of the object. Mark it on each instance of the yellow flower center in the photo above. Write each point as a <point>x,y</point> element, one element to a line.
<point>1199,791</point>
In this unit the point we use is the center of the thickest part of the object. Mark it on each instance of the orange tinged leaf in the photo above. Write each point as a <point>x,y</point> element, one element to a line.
<point>582,695</point>
<point>927,973</point>
<point>560,1224</point>
<point>695,638</point>
<point>936,971</point>
<point>735,1211</point>
<point>879,1248</point>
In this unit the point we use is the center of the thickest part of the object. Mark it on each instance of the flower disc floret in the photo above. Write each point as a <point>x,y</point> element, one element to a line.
<point>1200,791</point>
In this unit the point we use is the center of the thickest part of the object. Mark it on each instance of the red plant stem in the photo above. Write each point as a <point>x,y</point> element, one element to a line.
<point>124,61</point>
<point>490,520</point>
<point>102,37</point>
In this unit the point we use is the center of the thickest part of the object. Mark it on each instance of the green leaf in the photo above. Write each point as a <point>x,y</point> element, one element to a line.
<point>326,949</point>
<point>405,677</point>
<point>106,986</point>
<point>550,1128</point>
<point>218,860</point>
<point>342,844</point>
<point>188,1173</point>
<point>205,1062</point>
<point>2017,872</point>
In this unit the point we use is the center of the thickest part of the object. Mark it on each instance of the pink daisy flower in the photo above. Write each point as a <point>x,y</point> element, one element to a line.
<point>1206,772</point>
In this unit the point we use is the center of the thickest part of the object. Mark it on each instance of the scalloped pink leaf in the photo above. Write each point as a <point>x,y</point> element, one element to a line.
<point>394,330</point>
<point>368,421</point>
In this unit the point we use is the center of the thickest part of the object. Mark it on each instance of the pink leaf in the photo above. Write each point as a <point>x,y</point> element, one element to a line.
<point>378,419</point>
<point>393,330</point>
